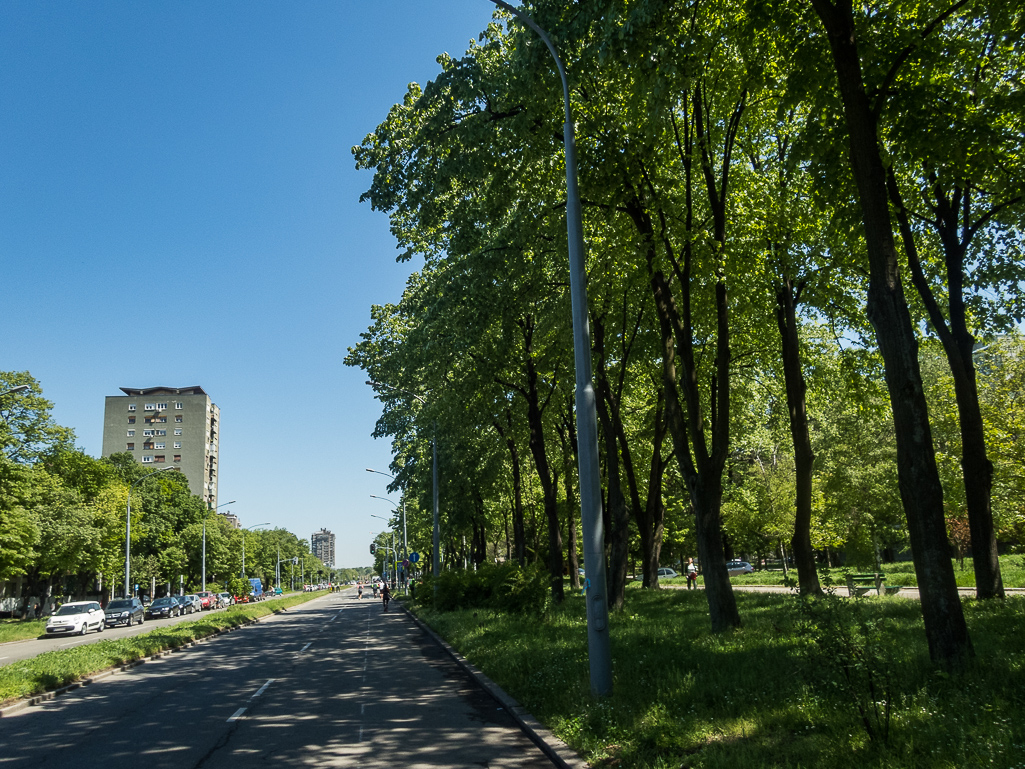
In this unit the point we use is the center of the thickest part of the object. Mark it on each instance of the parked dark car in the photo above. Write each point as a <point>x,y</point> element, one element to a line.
<point>163,607</point>
<point>190,604</point>
<point>124,611</point>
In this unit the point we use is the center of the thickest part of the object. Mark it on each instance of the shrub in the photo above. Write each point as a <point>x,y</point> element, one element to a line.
<point>505,587</point>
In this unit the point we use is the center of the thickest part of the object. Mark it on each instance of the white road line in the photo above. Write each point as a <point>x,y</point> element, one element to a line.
<point>307,646</point>
<point>236,715</point>
<point>262,689</point>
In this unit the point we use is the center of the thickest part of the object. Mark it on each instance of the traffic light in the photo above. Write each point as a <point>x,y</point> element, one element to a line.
<point>373,548</point>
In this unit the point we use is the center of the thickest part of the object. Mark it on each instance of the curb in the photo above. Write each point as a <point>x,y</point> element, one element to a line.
<point>561,754</point>
<point>37,699</point>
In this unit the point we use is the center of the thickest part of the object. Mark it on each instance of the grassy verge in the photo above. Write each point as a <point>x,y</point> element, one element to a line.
<point>1012,570</point>
<point>21,630</point>
<point>842,684</point>
<point>53,669</point>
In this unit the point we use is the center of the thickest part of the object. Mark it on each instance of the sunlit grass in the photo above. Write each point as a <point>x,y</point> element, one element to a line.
<point>57,668</point>
<point>684,697</point>
<point>21,630</point>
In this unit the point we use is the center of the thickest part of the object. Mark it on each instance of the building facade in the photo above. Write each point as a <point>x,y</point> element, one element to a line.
<point>167,426</point>
<point>322,543</point>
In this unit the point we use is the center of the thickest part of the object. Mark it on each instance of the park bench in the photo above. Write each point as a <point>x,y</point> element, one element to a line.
<point>860,584</point>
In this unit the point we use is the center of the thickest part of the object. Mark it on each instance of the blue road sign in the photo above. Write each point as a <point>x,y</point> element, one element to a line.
<point>414,557</point>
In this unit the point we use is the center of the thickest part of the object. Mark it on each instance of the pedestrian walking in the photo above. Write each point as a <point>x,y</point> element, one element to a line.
<point>385,595</point>
<point>692,574</point>
<point>359,590</point>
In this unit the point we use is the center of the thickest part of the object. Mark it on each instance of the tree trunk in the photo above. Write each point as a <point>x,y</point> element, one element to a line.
<point>887,309</point>
<point>804,457</point>
<point>959,347</point>
<point>568,436</point>
<point>519,537</point>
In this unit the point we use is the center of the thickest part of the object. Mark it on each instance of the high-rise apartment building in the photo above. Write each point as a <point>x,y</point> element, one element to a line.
<point>322,543</point>
<point>165,426</point>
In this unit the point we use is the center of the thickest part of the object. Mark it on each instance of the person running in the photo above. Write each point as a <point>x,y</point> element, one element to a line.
<point>375,590</point>
<point>359,590</point>
<point>385,595</point>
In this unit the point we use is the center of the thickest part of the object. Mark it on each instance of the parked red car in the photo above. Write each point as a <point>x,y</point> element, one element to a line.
<point>207,600</point>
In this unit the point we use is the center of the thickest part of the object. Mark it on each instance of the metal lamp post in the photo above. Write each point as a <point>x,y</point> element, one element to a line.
<point>436,566</point>
<point>394,555</point>
<point>599,652</point>
<point>128,521</point>
<point>405,546</point>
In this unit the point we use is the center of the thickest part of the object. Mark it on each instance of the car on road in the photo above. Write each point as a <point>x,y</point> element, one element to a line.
<point>225,599</point>
<point>207,600</point>
<point>124,611</point>
<point>189,604</point>
<point>163,607</point>
<point>78,617</point>
<point>667,573</point>
<point>739,567</point>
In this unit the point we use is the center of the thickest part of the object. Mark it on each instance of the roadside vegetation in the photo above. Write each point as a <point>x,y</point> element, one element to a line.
<point>1012,569</point>
<point>54,669</point>
<point>802,683</point>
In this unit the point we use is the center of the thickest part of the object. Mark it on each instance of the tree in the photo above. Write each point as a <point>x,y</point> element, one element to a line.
<point>27,430</point>
<point>887,309</point>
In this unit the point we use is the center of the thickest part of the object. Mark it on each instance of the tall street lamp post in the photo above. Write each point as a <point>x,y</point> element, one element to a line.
<point>204,539</point>
<point>436,558</point>
<point>599,652</point>
<point>128,522</point>
<point>394,551</point>
<point>405,545</point>
<point>394,555</point>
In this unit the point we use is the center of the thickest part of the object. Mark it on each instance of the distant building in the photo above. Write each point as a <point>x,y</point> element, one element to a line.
<point>231,518</point>
<point>322,543</point>
<point>167,426</point>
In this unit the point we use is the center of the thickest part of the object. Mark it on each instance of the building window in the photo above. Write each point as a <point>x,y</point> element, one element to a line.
<point>147,445</point>
<point>148,420</point>
<point>131,407</point>
<point>179,405</point>
<point>177,444</point>
<point>150,406</point>
<point>147,460</point>
<point>131,420</point>
<point>161,419</point>
<point>131,433</point>
<point>177,431</point>
<point>158,458</point>
<point>177,458</point>
<point>131,447</point>
<point>161,406</point>
<point>178,418</point>
<point>158,445</point>
<point>161,432</point>
<point>147,432</point>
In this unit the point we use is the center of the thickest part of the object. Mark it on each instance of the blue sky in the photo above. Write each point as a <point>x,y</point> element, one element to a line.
<point>179,206</point>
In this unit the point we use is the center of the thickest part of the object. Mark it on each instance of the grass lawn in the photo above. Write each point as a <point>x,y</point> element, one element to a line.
<point>1012,570</point>
<point>21,630</point>
<point>846,684</point>
<point>51,670</point>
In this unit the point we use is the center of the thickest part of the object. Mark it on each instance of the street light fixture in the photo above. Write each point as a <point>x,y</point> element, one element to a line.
<point>405,546</point>
<point>128,520</point>
<point>394,556</point>
<point>13,390</point>
<point>436,556</point>
<point>599,650</point>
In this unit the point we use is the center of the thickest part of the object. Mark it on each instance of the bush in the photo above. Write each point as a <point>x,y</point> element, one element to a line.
<point>504,587</point>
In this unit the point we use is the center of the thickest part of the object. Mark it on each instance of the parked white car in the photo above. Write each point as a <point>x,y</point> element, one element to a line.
<point>76,618</point>
<point>666,573</point>
<point>739,567</point>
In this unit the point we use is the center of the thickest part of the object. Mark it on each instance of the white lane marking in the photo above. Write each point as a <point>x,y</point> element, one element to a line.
<point>4,658</point>
<point>237,715</point>
<point>262,689</point>
<point>307,646</point>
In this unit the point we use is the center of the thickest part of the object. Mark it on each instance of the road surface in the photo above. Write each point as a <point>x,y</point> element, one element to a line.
<point>333,682</point>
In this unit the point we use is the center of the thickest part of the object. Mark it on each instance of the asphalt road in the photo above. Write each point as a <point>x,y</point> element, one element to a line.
<point>20,650</point>
<point>333,682</point>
